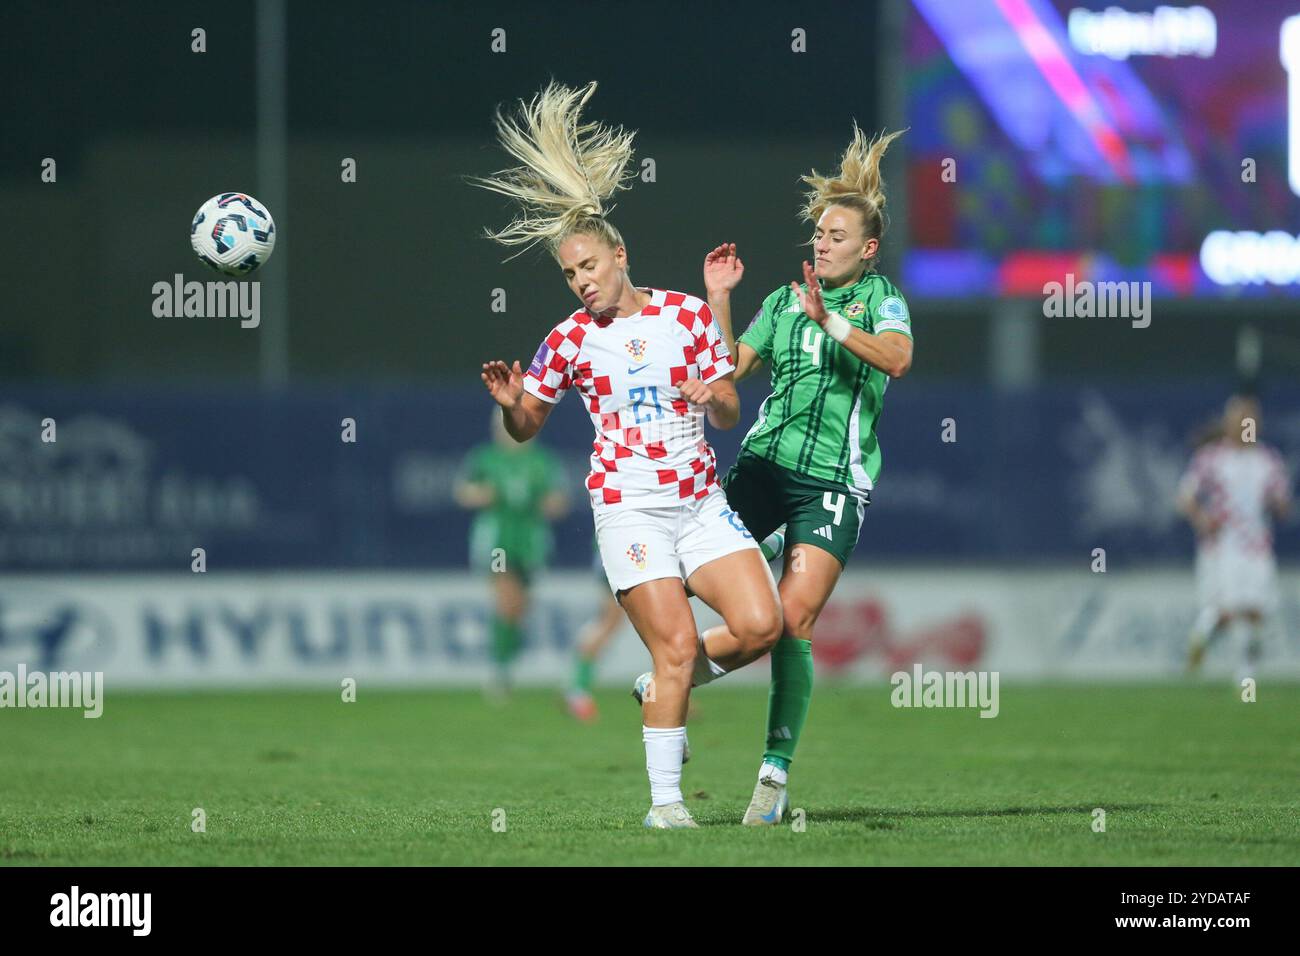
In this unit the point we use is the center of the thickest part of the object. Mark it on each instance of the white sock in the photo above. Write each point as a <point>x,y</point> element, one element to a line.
<point>705,671</point>
<point>663,762</point>
<point>772,771</point>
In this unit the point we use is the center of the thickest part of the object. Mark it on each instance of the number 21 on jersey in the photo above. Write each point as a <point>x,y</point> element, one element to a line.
<point>638,397</point>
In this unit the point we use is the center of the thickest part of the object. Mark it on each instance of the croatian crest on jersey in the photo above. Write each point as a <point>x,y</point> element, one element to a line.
<point>636,349</point>
<point>854,310</point>
<point>637,553</point>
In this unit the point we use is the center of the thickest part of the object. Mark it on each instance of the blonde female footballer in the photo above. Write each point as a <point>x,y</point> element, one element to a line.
<point>811,460</point>
<point>650,365</point>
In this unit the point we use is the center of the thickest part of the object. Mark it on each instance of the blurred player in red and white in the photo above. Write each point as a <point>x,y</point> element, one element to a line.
<point>1233,488</point>
<point>650,366</point>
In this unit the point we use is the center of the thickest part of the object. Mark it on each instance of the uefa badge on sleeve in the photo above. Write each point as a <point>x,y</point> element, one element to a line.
<point>537,367</point>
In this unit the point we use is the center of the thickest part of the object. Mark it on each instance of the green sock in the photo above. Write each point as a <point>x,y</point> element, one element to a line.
<point>505,640</point>
<point>772,546</point>
<point>582,679</point>
<point>787,704</point>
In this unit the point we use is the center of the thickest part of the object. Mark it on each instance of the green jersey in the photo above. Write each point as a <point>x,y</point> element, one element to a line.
<point>520,479</point>
<point>820,419</point>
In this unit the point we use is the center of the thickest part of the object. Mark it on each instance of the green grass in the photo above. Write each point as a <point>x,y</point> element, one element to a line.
<point>1188,775</point>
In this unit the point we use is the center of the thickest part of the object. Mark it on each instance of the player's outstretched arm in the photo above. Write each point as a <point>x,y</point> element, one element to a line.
<point>891,352</point>
<point>1282,504</point>
<point>1200,520</point>
<point>722,273</point>
<point>523,414</point>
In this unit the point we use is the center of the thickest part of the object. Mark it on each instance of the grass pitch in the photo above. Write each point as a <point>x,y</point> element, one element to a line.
<point>1187,774</point>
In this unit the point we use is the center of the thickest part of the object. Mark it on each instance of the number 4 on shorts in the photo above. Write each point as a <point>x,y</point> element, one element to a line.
<point>835,506</point>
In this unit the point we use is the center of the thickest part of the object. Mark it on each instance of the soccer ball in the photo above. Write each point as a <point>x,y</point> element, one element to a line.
<point>233,233</point>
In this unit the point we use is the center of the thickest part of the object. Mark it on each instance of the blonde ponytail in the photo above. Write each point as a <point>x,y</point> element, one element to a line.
<point>858,186</point>
<point>568,170</point>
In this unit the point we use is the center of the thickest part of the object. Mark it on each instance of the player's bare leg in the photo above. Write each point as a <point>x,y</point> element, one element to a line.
<point>744,595</point>
<point>661,614</point>
<point>740,588</point>
<point>1210,625</point>
<point>1250,644</point>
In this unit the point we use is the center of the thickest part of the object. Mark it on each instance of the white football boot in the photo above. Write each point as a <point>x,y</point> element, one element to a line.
<point>670,816</point>
<point>768,805</point>
<point>640,684</point>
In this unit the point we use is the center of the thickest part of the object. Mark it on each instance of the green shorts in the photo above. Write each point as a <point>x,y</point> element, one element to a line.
<point>813,510</point>
<point>518,548</point>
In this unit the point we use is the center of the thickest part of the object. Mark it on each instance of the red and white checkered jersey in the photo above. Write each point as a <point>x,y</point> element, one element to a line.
<point>1235,484</point>
<point>650,448</point>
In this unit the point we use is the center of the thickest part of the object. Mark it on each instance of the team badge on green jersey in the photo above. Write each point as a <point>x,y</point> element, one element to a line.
<point>854,310</point>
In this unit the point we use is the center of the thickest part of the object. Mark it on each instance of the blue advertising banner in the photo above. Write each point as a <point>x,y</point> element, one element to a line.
<point>128,480</point>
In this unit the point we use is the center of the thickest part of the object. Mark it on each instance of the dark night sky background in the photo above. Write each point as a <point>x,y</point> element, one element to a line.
<point>389,278</point>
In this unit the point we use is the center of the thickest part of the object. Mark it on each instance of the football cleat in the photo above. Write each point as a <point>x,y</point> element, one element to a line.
<point>768,805</point>
<point>640,684</point>
<point>671,816</point>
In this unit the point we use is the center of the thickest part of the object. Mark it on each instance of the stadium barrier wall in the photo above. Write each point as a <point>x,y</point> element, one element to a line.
<point>219,629</point>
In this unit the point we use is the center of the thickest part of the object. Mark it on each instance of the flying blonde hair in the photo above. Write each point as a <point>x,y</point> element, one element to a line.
<point>858,186</point>
<point>569,170</point>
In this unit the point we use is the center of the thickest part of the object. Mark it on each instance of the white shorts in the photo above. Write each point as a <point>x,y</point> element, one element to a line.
<point>1233,579</point>
<point>643,544</point>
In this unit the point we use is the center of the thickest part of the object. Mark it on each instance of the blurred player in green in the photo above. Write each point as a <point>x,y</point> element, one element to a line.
<point>811,460</point>
<point>515,488</point>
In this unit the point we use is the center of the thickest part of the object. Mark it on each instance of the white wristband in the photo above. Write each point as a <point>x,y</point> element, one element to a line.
<point>838,327</point>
